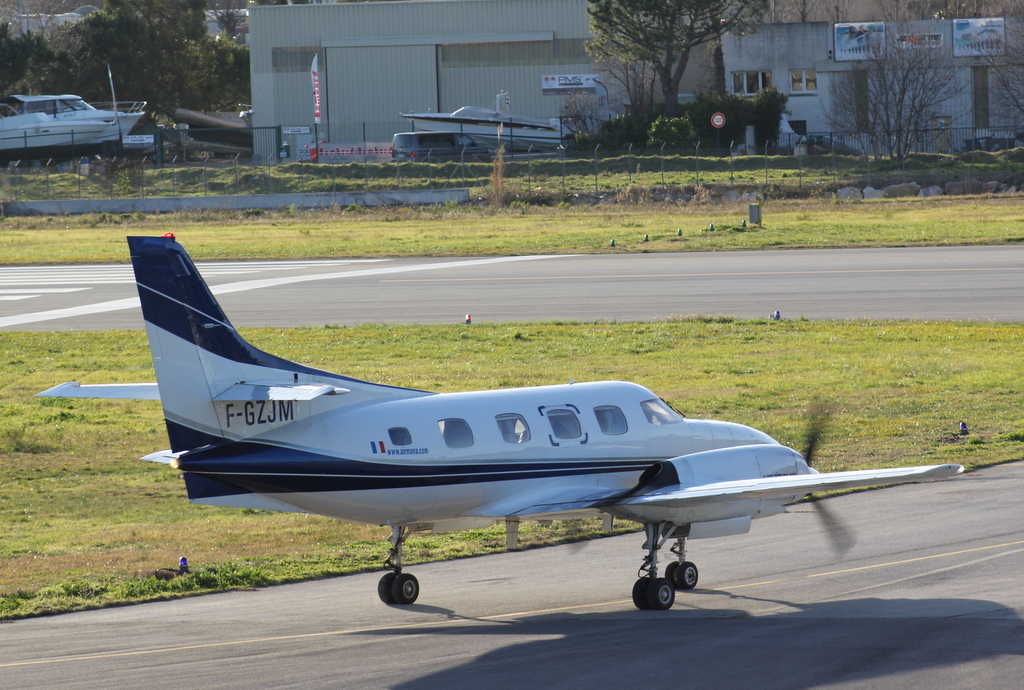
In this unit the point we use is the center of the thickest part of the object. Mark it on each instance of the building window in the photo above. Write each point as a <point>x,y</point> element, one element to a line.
<point>561,51</point>
<point>750,82</point>
<point>799,126</point>
<point>979,82</point>
<point>296,59</point>
<point>803,80</point>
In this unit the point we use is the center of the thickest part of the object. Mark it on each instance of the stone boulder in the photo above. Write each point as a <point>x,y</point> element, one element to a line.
<point>872,193</point>
<point>849,193</point>
<point>992,187</point>
<point>954,188</point>
<point>934,190</point>
<point>897,190</point>
<point>732,195</point>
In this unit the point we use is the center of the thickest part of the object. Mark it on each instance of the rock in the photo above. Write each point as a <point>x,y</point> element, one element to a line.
<point>686,197</point>
<point>954,188</point>
<point>872,193</point>
<point>897,190</point>
<point>991,187</point>
<point>829,196</point>
<point>731,195</point>
<point>849,193</point>
<point>934,190</point>
<point>972,186</point>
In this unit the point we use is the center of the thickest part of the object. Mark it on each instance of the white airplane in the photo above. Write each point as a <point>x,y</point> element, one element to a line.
<point>251,430</point>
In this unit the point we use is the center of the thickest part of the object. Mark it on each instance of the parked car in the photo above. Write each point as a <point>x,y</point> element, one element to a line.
<point>991,143</point>
<point>437,146</point>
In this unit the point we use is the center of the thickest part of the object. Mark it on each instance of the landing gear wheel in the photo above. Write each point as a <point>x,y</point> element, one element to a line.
<point>670,573</point>
<point>661,594</point>
<point>384,588</point>
<point>404,589</point>
<point>685,576</point>
<point>640,593</point>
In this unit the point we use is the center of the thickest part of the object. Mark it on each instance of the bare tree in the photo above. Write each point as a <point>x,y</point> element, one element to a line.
<point>230,14</point>
<point>802,11</point>
<point>631,85</point>
<point>890,99</point>
<point>579,112</point>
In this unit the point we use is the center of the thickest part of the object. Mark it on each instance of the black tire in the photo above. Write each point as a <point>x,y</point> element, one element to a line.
<point>384,588</point>
<point>405,589</point>
<point>670,573</point>
<point>640,593</point>
<point>661,594</point>
<point>685,576</point>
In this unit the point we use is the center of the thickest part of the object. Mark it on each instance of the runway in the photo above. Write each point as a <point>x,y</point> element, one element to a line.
<point>957,283</point>
<point>929,597</point>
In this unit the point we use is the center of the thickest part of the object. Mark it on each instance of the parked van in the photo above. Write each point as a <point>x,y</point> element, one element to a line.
<point>437,146</point>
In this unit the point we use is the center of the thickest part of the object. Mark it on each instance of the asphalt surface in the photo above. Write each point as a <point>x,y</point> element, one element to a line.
<point>930,596</point>
<point>958,283</point>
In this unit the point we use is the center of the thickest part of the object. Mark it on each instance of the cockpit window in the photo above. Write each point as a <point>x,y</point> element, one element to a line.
<point>611,419</point>
<point>657,412</point>
<point>400,436</point>
<point>513,427</point>
<point>456,433</point>
<point>564,424</point>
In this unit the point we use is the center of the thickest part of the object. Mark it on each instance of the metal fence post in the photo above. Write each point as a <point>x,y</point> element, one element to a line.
<point>596,147</point>
<point>629,169</point>
<point>732,179</point>
<point>696,159</point>
<point>663,163</point>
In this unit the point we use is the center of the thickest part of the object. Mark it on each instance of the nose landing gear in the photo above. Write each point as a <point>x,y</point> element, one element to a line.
<point>659,593</point>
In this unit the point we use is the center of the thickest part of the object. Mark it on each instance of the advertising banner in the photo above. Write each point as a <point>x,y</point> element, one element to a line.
<point>918,41</point>
<point>554,84</point>
<point>330,152</point>
<point>314,73</point>
<point>862,41</point>
<point>978,37</point>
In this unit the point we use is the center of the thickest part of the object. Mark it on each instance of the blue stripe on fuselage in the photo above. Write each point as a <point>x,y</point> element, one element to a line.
<point>273,469</point>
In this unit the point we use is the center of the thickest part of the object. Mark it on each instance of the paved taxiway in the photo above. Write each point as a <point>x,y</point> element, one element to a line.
<point>929,283</point>
<point>931,596</point>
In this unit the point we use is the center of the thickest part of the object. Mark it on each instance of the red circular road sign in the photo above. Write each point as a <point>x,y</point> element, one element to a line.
<point>718,120</point>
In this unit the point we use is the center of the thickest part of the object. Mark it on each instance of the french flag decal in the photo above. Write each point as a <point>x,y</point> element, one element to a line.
<point>377,447</point>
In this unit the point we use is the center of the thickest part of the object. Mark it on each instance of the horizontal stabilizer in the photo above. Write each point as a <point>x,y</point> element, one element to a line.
<point>123,391</point>
<point>246,391</point>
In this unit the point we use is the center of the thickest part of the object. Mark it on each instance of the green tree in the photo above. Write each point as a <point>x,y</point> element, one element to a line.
<point>160,52</point>
<point>663,32</point>
<point>673,131</point>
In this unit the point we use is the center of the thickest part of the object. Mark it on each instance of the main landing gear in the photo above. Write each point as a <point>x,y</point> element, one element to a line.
<point>397,587</point>
<point>659,593</point>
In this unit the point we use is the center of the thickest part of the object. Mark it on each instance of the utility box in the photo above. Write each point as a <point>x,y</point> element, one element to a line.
<point>755,214</point>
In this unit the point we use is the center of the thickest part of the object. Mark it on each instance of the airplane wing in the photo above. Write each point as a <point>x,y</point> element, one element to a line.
<point>124,391</point>
<point>583,500</point>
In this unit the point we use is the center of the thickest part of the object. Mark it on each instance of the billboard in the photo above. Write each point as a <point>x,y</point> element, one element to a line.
<point>861,41</point>
<point>918,41</point>
<point>978,37</point>
<point>554,84</point>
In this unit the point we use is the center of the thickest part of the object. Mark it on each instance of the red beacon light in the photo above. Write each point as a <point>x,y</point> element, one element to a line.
<point>168,235</point>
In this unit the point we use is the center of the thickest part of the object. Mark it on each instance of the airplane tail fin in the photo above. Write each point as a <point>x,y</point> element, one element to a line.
<point>214,385</point>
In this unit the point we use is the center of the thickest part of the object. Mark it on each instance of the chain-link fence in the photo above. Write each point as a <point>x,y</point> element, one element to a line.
<point>800,165</point>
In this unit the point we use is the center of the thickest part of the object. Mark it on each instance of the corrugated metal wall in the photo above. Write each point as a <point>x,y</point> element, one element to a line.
<point>378,59</point>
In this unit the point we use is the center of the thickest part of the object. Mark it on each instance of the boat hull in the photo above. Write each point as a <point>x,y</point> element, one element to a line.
<point>514,136</point>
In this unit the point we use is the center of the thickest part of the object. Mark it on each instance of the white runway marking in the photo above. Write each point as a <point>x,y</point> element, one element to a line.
<point>124,274</point>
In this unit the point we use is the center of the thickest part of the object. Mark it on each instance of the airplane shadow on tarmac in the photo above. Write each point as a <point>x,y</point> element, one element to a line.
<point>867,641</point>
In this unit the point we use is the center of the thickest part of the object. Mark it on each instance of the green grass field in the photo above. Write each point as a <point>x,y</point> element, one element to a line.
<point>479,231</point>
<point>85,521</point>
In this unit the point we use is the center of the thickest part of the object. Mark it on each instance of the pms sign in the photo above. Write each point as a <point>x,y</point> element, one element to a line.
<point>554,84</point>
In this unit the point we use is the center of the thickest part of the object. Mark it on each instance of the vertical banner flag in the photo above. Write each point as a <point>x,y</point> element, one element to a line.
<point>314,72</point>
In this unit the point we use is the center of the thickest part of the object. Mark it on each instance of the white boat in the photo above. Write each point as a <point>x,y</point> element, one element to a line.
<point>58,125</point>
<point>518,132</point>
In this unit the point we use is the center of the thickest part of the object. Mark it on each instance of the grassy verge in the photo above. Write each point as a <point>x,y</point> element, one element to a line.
<point>472,230</point>
<point>84,522</point>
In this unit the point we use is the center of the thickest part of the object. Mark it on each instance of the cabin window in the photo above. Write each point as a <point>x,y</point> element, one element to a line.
<point>564,423</point>
<point>658,413</point>
<point>610,419</point>
<point>456,433</point>
<point>513,428</point>
<point>400,436</point>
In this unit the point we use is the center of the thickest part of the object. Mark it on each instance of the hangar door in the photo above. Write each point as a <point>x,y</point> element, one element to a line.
<point>371,85</point>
